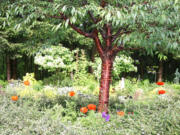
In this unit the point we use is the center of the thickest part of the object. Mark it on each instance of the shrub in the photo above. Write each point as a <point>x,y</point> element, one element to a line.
<point>59,79</point>
<point>3,83</point>
<point>54,57</point>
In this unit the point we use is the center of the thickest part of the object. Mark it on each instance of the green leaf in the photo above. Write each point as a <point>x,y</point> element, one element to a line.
<point>118,14</point>
<point>58,26</point>
<point>64,9</point>
<point>108,16</point>
<point>17,27</point>
<point>66,23</point>
<point>73,19</point>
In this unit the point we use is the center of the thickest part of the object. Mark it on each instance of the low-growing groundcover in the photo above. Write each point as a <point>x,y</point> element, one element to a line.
<point>157,116</point>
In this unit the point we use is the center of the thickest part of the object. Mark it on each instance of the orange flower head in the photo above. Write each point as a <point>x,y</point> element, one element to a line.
<point>160,83</point>
<point>14,98</point>
<point>71,93</point>
<point>120,113</point>
<point>27,83</point>
<point>92,107</point>
<point>161,92</point>
<point>84,109</point>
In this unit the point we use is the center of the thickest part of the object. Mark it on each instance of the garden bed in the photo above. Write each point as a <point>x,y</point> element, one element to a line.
<point>158,115</point>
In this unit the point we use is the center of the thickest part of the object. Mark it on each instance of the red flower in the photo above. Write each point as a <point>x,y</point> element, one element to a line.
<point>84,109</point>
<point>14,98</point>
<point>92,107</point>
<point>161,92</point>
<point>26,83</point>
<point>160,83</point>
<point>71,93</point>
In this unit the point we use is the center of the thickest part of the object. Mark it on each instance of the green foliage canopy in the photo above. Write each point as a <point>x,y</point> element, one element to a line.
<point>150,24</point>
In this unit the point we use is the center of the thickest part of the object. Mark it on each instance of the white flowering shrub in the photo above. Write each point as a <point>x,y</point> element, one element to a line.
<point>54,57</point>
<point>121,64</point>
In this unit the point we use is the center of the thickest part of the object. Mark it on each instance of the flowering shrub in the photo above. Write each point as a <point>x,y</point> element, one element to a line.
<point>54,57</point>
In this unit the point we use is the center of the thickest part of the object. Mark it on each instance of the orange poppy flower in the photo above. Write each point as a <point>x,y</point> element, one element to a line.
<point>120,113</point>
<point>160,83</point>
<point>27,83</point>
<point>84,109</point>
<point>92,107</point>
<point>71,93</point>
<point>14,98</point>
<point>161,92</point>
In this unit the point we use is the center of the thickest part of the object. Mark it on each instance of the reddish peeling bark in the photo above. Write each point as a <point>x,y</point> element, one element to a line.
<point>107,56</point>
<point>106,71</point>
<point>108,38</point>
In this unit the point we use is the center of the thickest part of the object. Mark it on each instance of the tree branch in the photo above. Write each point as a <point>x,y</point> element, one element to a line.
<point>93,18</point>
<point>116,48</point>
<point>98,43</point>
<point>133,48</point>
<point>76,28</point>
<point>80,31</point>
<point>72,25</point>
<point>103,3</point>
<point>116,35</point>
<point>119,33</point>
<point>103,34</point>
<point>109,36</point>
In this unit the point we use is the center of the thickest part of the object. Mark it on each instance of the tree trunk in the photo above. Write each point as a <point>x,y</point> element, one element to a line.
<point>35,71</point>
<point>14,69</point>
<point>160,72</point>
<point>31,65</point>
<point>107,65</point>
<point>26,64</point>
<point>3,69</point>
<point>8,68</point>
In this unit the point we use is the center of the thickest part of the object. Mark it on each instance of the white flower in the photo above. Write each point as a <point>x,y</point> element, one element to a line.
<point>54,57</point>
